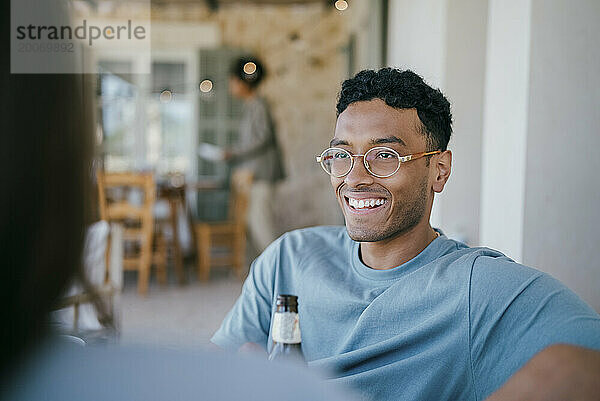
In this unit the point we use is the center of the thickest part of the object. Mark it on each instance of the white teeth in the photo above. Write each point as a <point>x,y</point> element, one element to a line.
<point>365,203</point>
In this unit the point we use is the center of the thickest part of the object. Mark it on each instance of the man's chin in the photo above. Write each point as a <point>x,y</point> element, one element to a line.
<point>364,235</point>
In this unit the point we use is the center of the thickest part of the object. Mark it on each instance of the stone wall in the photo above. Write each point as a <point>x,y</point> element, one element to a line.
<point>303,49</point>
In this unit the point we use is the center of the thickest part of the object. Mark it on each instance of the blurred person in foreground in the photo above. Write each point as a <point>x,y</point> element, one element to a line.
<point>257,148</point>
<point>393,307</point>
<point>46,149</point>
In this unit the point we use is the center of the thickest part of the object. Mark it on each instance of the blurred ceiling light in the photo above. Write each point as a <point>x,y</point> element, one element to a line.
<point>341,5</point>
<point>206,86</point>
<point>166,96</point>
<point>249,68</point>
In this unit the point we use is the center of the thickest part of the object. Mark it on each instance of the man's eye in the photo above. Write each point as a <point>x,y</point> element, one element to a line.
<point>385,155</point>
<point>340,155</point>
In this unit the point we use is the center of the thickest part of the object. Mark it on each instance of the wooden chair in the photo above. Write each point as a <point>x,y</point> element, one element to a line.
<point>230,234</point>
<point>103,272</point>
<point>137,219</point>
<point>173,195</point>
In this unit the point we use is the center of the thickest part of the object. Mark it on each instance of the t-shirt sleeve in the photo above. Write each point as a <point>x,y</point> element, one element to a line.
<point>515,312</point>
<point>250,318</point>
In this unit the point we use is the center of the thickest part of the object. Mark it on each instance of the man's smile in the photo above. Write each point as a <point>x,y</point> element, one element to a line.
<point>364,202</point>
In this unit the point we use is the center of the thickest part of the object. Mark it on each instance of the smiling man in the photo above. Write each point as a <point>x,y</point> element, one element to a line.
<point>385,211</point>
<point>391,306</point>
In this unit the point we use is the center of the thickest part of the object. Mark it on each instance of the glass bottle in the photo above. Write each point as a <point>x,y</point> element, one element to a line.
<point>285,331</point>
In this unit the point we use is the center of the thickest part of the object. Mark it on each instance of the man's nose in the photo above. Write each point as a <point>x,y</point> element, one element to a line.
<point>358,175</point>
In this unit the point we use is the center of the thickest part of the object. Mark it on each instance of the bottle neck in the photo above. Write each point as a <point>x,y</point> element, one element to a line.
<point>287,308</point>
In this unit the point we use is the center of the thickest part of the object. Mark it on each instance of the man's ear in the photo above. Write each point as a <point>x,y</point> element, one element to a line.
<point>441,168</point>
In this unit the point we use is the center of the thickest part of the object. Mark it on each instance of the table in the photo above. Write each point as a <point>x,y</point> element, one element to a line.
<point>174,190</point>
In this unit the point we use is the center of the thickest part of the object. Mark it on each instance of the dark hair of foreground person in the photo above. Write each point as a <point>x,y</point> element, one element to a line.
<point>46,149</point>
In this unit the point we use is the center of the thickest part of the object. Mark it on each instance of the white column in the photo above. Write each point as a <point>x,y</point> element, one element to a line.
<point>505,126</point>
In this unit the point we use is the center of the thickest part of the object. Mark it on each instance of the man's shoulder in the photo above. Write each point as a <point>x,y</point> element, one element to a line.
<point>487,267</point>
<point>258,104</point>
<point>484,258</point>
<point>495,267</point>
<point>496,279</point>
<point>307,241</point>
<point>323,236</point>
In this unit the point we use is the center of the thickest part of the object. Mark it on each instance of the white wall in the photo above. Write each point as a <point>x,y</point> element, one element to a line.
<point>505,126</point>
<point>562,193</point>
<point>465,76</point>
<point>417,41</point>
<point>417,37</point>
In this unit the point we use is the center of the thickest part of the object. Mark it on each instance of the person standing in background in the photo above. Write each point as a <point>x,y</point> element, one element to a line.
<point>257,149</point>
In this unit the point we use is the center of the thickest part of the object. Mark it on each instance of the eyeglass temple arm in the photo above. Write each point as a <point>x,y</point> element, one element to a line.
<point>418,155</point>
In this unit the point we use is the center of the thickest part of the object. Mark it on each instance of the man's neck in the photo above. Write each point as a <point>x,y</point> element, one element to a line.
<point>392,252</point>
<point>249,95</point>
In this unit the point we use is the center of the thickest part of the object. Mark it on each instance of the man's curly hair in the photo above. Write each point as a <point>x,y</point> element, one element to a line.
<point>402,90</point>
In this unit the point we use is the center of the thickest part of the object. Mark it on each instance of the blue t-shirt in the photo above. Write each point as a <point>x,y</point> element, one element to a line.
<point>453,323</point>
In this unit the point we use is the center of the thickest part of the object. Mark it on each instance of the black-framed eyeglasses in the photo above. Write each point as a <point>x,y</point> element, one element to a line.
<point>380,161</point>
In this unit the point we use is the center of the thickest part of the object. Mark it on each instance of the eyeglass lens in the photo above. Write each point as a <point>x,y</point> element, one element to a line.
<point>379,161</point>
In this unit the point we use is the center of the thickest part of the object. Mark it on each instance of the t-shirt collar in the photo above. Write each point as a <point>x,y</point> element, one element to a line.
<point>430,253</point>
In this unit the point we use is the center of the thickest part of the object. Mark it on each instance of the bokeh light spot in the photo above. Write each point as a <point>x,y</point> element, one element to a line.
<point>341,5</point>
<point>166,96</point>
<point>206,86</point>
<point>249,68</point>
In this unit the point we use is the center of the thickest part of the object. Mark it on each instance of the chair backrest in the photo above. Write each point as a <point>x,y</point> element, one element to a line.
<point>118,204</point>
<point>241,182</point>
<point>112,209</point>
<point>128,198</point>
